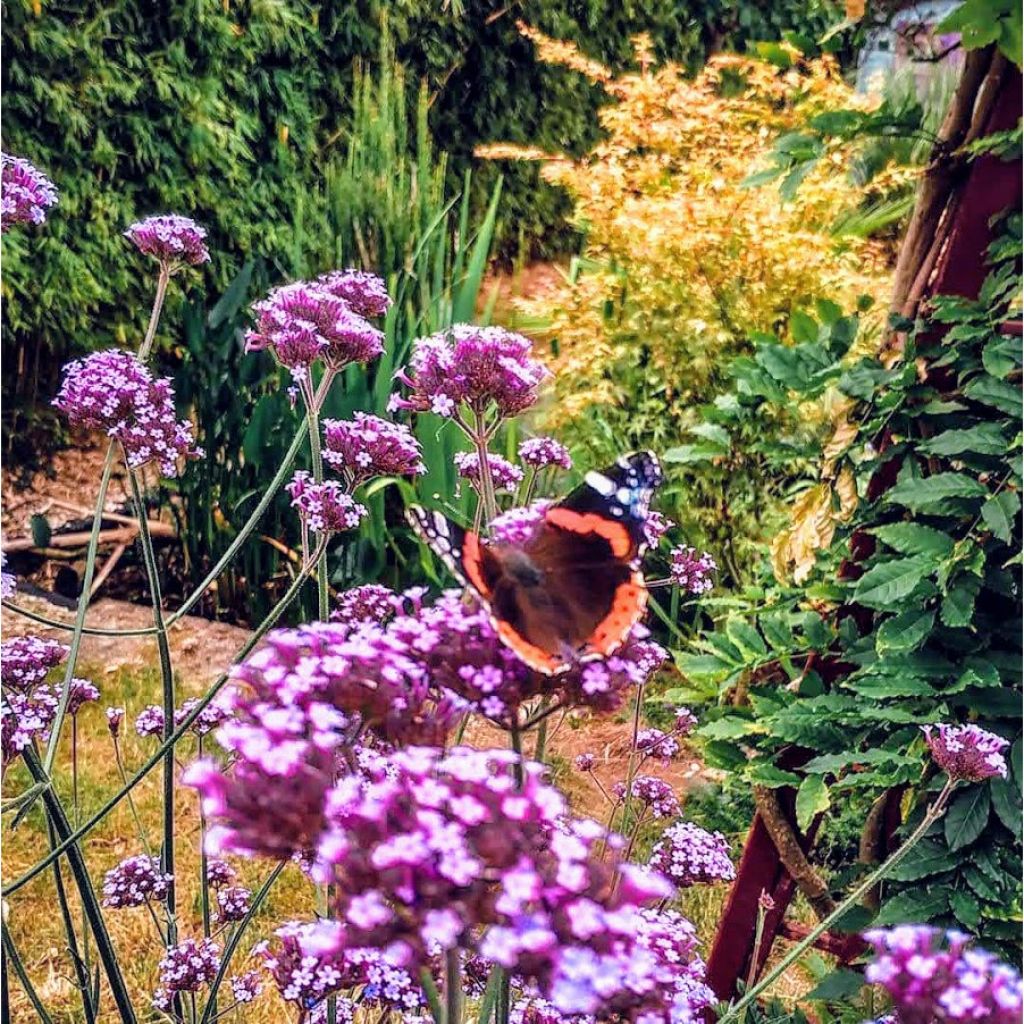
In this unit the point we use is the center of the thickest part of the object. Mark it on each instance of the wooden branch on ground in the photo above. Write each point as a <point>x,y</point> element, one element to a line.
<point>118,535</point>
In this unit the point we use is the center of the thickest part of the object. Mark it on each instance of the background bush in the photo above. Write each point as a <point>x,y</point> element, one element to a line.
<point>228,112</point>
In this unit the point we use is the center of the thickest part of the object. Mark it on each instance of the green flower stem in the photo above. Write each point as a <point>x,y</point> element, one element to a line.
<point>313,422</point>
<point>11,953</point>
<point>83,606</point>
<point>232,549</point>
<point>163,279</point>
<point>479,437</point>
<point>453,999</point>
<point>131,800</point>
<point>167,683</point>
<point>433,998</point>
<point>882,871</point>
<point>210,1011</point>
<point>631,766</point>
<point>204,888</point>
<point>69,841</point>
<point>62,828</point>
<point>490,997</point>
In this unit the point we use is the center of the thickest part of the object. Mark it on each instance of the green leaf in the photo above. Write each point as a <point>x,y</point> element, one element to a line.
<point>764,773</point>
<point>981,884</point>
<point>967,816</point>
<point>888,582</point>
<point>1006,802</point>
<point>840,985</point>
<point>878,687</point>
<point>982,439</point>
<point>912,907</point>
<point>686,453</point>
<point>812,799</point>
<point>1001,394</point>
<point>41,531</point>
<point>824,763</point>
<point>730,728</point>
<point>931,493</point>
<point>914,539</point>
<point>715,434</point>
<point>777,632</point>
<point>725,756</point>
<point>966,908</point>
<point>704,667</point>
<point>999,513</point>
<point>928,858</point>
<point>1001,356</point>
<point>957,610</point>
<point>904,632</point>
<point>744,636</point>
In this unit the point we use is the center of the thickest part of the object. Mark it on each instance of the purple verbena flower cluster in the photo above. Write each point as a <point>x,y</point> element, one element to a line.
<point>691,570</point>
<point>246,987</point>
<point>518,525</point>
<point>186,967</point>
<point>370,603</point>
<point>504,475</point>
<point>685,722</point>
<point>304,322</point>
<point>541,452</point>
<point>114,392</point>
<point>967,753</point>
<point>584,762</point>
<point>478,367</point>
<point>26,717</point>
<point>115,716</point>
<point>219,873</point>
<point>365,293</point>
<point>655,527</point>
<point>174,240</point>
<point>135,881</point>
<point>27,193</point>
<point>367,446</point>
<point>81,692</point>
<point>324,507</point>
<point>657,744</point>
<point>689,855</point>
<point>934,977</point>
<point>233,902</point>
<point>26,660</point>
<point>150,721</point>
<point>653,794</point>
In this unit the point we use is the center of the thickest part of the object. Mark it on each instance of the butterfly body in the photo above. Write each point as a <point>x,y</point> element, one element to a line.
<point>572,591</point>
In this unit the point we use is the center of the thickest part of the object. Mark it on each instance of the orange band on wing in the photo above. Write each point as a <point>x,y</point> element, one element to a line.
<point>627,606</point>
<point>615,533</point>
<point>471,563</point>
<point>535,657</point>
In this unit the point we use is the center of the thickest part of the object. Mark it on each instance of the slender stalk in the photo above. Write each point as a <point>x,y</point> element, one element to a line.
<point>204,888</point>
<point>313,423</point>
<point>69,841</point>
<point>931,816</point>
<point>758,933</point>
<point>83,605</point>
<point>131,800</point>
<point>631,766</point>
<point>77,820</point>
<point>479,437</point>
<point>489,998</point>
<point>11,953</point>
<point>167,683</point>
<point>540,746</point>
<point>69,627</point>
<point>453,999</point>
<point>163,279</point>
<point>433,999</point>
<point>62,827</point>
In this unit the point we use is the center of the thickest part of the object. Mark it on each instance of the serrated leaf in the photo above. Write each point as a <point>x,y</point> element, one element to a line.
<point>904,632</point>
<point>879,687</point>
<point>839,986</point>
<point>730,728</point>
<point>891,581</point>
<point>713,433</point>
<point>1000,394</point>
<point>981,884</point>
<point>931,493</point>
<point>1001,356</point>
<point>745,637</point>
<point>725,756</point>
<point>686,453</point>
<point>966,908</point>
<point>957,609</point>
<point>812,799</point>
<point>981,439</point>
<point>834,762</point>
<point>1000,512</point>
<point>777,632</point>
<point>928,858</point>
<point>967,817</point>
<point>914,539</point>
<point>704,667</point>
<point>764,773</point>
<point>912,907</point>
<point>1006,802</point>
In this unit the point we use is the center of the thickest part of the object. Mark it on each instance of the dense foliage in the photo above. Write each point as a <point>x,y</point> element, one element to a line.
<point>909,603</point>
<point>684,263</point>
<point>232,111</point>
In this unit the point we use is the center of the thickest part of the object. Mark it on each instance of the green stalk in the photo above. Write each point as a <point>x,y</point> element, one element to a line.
<point>108,956</point>
<point>882,871</point>
<point>479,438</point>
<point>313,421</point>
<point>81,966</point>
<point>139,827</point>
<point>83,606</point>
<point>167,682</point>
<point>632,765</point>
<point>204,888</point>
<point>490,996</point>
<point>19,969</point>
<point>232,944</point>
<point>69,627</point>
<point>453,999</point>
<point>433,999</point>
<point>163,279</point>
<point>72,838</point>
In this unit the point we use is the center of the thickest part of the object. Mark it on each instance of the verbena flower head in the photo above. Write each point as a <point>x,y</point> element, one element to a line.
<point>219,873</point>
<point>685,721</point>
<point>26,660</point>
<point>368,603</point>
<point>8,582</point>
<point>150,721</point>
<point>233,903</point>
<point>115,716</point>
<point>655,527</point>
<point>26,717</point>
<point>367,446</point>
<point>113,391</point>
<point>303,322</point>
<point>541,452</point>
<point>365,293</point>
<point>135,881</point>
<point>691,570</point>
<point>324,507</point>
<point>246,987</point>
<point>505,476</point>
<point>483,368</point>
<point>967,753</point>
<point>657,744</point>
<point>82,692</point>
<point>302,974</point>
<point>212,715</point>
<point>27,193</point>
<point>584,762</point>
<point>535,1010</point>
<point>186,967</point>
<point>295,707</point>
<point>689,855</point>
<point>934,977</point>
<point>652,793</point>
<point>518,525</point>
<point>173,240</point>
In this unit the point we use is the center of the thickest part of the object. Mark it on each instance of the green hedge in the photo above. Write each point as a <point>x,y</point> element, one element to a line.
<point>228,110</point>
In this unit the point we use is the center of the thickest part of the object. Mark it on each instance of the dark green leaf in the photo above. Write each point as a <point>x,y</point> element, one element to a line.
<point>1000,512</point>
<point>888,582</point>
<point>812,799</point>
<point>41,532</point>
<point>965,908</point>
<point>915,539</point>
<point>1001,394</point>
<point>904,632</point>
<point>915,906</point>
<point>958,605</point>
<point>982,439</point>
<point>967,817</point>
<point>764,773</point>
<point>928,858</point>
<point>839,986</point>
<point>1006,802</point>
<point>931,493</point>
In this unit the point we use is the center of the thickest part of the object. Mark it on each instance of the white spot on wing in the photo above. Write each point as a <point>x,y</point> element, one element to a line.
<point>600,483</point>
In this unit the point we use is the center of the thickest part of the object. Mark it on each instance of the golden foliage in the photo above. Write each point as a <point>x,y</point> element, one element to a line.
<point>683,261</point>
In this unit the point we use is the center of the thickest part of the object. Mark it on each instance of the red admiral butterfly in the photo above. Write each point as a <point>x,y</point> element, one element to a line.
<point>574,590</point>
